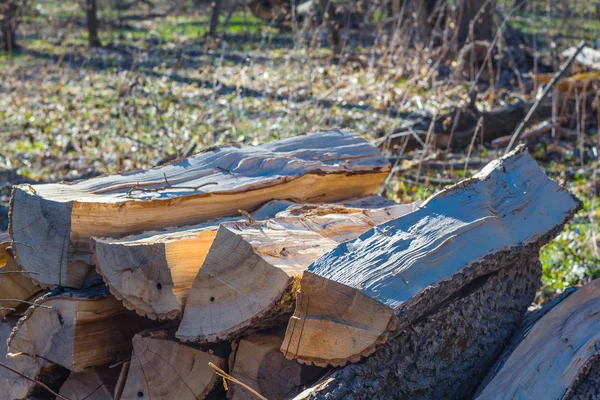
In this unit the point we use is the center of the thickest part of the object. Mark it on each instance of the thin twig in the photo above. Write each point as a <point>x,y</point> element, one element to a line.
<point>538,101</point>
<point>18,272</point>
<point>24,302</point>
<point>34,381</point>
<point>225,375</point>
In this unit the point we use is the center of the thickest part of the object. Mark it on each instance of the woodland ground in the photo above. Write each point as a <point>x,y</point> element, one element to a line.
<point>159,89</point>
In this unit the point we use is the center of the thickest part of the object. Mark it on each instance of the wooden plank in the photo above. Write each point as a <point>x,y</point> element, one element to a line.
<point>251,272</point>
<point>78,329</point>
<point>163,368</point>
<point>51,224</point>
<point>257,361</point>
<point>553,357</point>
<point>357,295</point>
<point>153,273</point>
<point>14,386</point>
<point>97,383</point>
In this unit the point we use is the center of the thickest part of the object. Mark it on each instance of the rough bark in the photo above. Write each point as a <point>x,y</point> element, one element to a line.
<point>153,273</point>
<point>162,368</point>
<point>77,329</point>
<point>250,275</point>
<point>555,354</point>
<point>257,361</point>
<point>51,224</point>
<point>445,353</point>
<point>356,296</point>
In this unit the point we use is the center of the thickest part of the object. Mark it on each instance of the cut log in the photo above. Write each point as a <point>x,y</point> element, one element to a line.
<point>14,284</point>
<point>555,357</point>
<point>163,368</point>
<point>446,353</point>
<point>51,224</point>
<point>78,329</point>
<point>365,290</point>
<point>153,273</point>
<point>96,383</point>
<point>257,362</point>
<point>14,386</point>
<point>250,274</point>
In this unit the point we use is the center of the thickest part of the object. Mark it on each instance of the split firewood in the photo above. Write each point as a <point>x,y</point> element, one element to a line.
<point>51,224</point>
<point>16,386</point>
<point>162,368</point>
<point>78,329</point>
<point>14,284</point>
<point>257,362</point>
<point>153,273</point>
<point>364,291</point>
<point>97,383</point>
<point>251,272</point>
<point>556,354</point>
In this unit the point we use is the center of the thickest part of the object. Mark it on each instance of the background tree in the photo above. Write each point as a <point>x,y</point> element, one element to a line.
<point>214,18</point>
<point>11,12</point>
<point>92,23</point>
<point>478,15</point>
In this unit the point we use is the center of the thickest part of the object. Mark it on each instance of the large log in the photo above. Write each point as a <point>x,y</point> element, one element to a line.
<point>250,274</point>
<point>153,273</point>
<point>556,354</point>
<point>51,224</point>
<point>78,329</point>
<point>257,362</point>
<point>97,383</point>
<point>14,386</point>
<point>366,290</point>
<point>161,368</point>
<point>14,284</point>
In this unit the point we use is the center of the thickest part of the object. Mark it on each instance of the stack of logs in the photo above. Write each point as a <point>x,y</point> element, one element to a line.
<point>275,272</point>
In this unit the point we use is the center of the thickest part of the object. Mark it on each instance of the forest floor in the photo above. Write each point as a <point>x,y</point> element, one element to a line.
<point>159,90</point>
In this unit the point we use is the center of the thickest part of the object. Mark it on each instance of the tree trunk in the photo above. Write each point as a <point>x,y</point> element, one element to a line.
<point>92,24</point>
<point>11,12</point>
<point>253,287</point>
<point>476,20</point>
<point>214,19</point>
<point>52,224</point>
<point>555,355</point>
<point>327,8</point>
<point>360,294</point>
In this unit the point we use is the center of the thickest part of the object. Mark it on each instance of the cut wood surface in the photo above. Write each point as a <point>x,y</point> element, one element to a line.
<point>96,383</point>
<point>161,368</point>
<point>14,386</point>
<point>554,355</point>
<point>78,329</point>
<point>257,362</point>
<point>355,296</point>
<point>250,273</point>
<point>51,224</point>
<point>14,284</point>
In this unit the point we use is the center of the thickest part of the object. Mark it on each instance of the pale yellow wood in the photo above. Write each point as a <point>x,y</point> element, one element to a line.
<point>355,296</point>
<point>257,361</point>
<point>247,279</point>
<point>163,369</point>
<point>79,329</point>
<point>14,285</point>
<point>152,273</point>
<point>96,383</point>
<point>51,224</point>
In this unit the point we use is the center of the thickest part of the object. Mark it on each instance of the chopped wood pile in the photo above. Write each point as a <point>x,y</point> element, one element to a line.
<point>276,272</point>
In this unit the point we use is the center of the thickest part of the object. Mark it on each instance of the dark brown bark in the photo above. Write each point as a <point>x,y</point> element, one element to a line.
<point>92,24</point>
<point>214,19</point>
<point>327,9</point>
<point>11,12</point>
<point>475,20</point>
